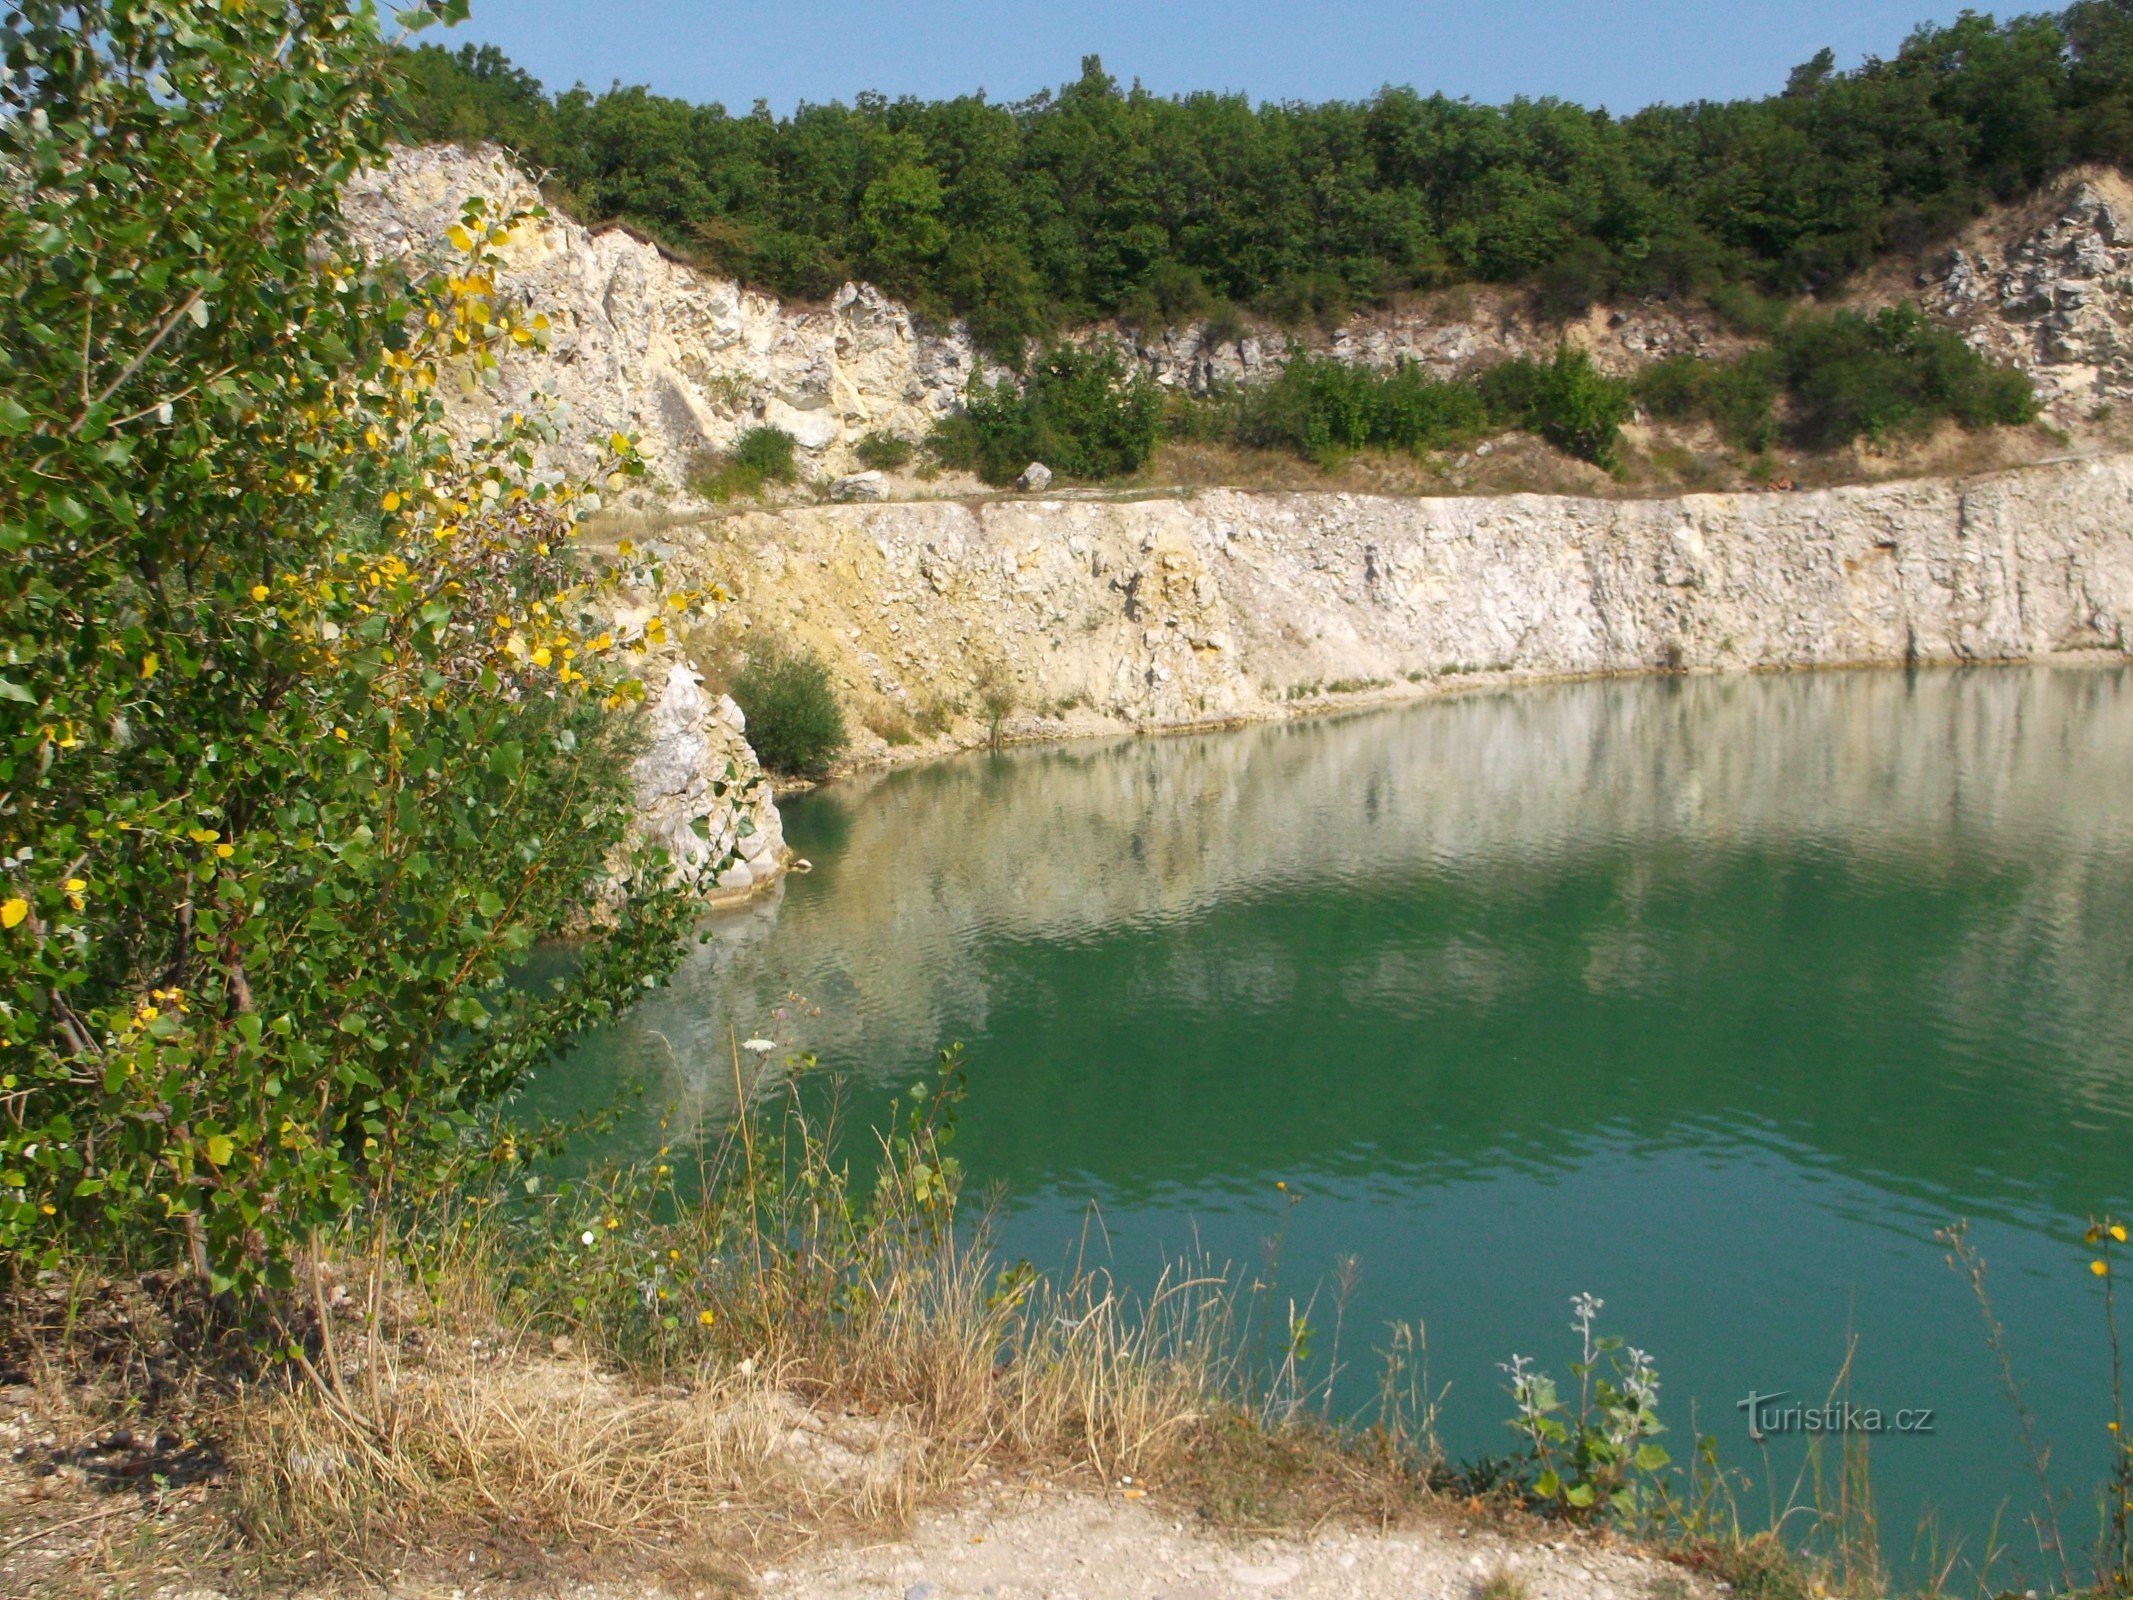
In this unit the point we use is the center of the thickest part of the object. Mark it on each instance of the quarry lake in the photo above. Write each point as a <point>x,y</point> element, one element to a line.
<point>1712,997</point>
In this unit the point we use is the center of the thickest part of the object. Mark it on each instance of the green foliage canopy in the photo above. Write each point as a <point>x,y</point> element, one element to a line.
<point>1086,414</point>
<point>794,722</point>
<point>307,732</point>
<point>1096,200</point>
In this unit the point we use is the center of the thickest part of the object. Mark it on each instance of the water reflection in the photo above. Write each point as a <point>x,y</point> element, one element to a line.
<point>1883,913</point>
<point>1715,996</point>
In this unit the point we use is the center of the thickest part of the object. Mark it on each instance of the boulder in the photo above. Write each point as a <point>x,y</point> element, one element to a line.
<point>815,429</point>
<point>697,782</point>
<point>860,486</point>
<point>1036,477</point>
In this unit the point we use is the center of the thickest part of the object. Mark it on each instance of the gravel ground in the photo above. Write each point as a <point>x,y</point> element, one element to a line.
<point>1077,1547</point>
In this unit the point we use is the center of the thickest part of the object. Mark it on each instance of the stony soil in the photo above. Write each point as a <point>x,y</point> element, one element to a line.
<point>1079,1547</point>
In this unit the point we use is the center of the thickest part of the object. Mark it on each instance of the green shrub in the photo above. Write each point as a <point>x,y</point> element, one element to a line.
<point>1853,376</point>
<point>1575,406</point>
<point>884,452</point>
<point>1568,285</point>
<point>761,456</point>
<point>288,804</point>
<point>1842,376</point>
<point>1322,409</point>
<point>794,721</point>
<point>1083,413</point>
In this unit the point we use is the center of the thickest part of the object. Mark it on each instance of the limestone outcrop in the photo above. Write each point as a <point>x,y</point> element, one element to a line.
<point>1159,612</point>
<point>689,362</point>
<point>648,345</point>
<point>701,793</point>
<point>2053,294</point>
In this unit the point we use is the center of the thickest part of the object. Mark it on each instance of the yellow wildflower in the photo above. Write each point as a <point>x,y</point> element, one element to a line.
<point>13,911</point>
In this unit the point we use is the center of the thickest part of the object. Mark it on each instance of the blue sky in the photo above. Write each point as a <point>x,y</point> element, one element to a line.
<point>1622,54</point>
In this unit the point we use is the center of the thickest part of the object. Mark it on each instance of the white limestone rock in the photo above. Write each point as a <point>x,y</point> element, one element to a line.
<point>700,791</point>
<point>860,486</point>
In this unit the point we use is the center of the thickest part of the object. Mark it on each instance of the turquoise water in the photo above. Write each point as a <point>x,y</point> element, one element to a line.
<point>1713,998</point>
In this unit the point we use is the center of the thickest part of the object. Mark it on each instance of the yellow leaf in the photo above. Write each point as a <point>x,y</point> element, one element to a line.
<point>225,851</point>
<point>2099,1268</point>
<point>219,1150</point>
<point>260,591</point>
<point>461,239</point>
<point>148,665</point>
<point>391,502</point>
<point>2118,1232</point>
<point>12,913</point>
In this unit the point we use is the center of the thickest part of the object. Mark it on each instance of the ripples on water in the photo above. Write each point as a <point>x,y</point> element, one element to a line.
<point>1711,996</point>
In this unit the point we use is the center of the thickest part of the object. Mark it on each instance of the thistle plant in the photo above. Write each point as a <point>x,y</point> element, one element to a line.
<point>1601,1456</point>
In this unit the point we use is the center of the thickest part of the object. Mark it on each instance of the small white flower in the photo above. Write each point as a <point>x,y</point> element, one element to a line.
<point>586,1237</point>
<point>759,1046</point>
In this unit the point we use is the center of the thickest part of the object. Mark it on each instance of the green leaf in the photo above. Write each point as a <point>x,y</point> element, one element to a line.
<point>219,1150</point>
<point>1579,1494</point>
<point>1548,1484</point>
<point>1650,1457</point>
<point>15,691</point>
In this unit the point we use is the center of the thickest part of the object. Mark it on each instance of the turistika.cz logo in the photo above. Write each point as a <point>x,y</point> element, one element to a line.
<point>1768,1414</point>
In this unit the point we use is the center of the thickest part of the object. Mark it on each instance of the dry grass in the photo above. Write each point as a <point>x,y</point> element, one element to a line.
<point>711,1383</point>
<point>481,1430</point>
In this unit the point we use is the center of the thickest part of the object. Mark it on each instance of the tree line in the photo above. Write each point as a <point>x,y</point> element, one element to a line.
<point>1097,200</point>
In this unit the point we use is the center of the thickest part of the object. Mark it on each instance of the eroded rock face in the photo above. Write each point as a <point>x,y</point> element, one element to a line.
<point>1233,604</point>
<point>701,792</point>
<point>646,345</point>
<point>2055,299</point>
<point>690,362</point>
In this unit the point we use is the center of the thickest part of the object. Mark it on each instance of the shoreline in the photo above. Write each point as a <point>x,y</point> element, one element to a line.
<point>1388,697</point>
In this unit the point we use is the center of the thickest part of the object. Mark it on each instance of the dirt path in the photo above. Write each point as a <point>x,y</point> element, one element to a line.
<point>1078,1547</point>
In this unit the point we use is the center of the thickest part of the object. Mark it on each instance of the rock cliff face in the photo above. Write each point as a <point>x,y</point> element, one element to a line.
<point>689,361</point>
<point>2052,293</point>
<point>644,344</point>
<point>1230,604</point>
<point>701,793</point>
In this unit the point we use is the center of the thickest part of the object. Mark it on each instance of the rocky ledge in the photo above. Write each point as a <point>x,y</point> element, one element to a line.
<point>1084,615</point>
<point>701,793</point>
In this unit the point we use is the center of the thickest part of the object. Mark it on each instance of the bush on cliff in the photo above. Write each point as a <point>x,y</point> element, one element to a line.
<point>1323,408</point>
<point>308,723</point>
<point>1086,414</point>
<point>794,722</point>
<point>1839,377</point>
<point>759,458</point>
